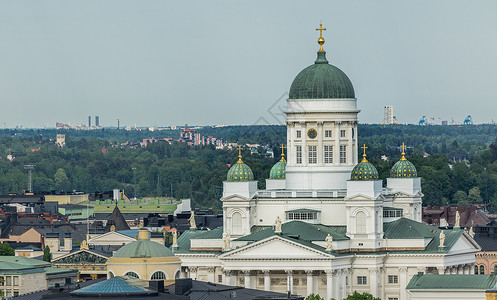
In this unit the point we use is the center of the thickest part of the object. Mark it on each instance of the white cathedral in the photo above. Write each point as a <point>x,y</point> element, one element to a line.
<point>324,224</point>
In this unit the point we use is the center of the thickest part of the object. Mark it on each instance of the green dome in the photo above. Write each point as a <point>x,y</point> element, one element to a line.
<point>321,81</point>
<point>403,169</point>
<point>143,248</point>
<point>240,172</point>
<point>364,171</point>
<point>278,170</point>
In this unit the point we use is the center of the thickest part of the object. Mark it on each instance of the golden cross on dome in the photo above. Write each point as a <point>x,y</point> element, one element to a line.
<point>239,155</point>
<point>321,39</point>
<point>282,152</point>
<point>403,151</point>
<point>364,155</point>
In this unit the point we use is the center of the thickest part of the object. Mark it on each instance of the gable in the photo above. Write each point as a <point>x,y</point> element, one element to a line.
<point>112,237</point>
<point>81,257</point>
<point>464,244</point>
<point>276,247</point>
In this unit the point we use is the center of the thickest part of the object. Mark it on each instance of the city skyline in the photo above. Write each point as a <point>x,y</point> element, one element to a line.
<point>149,65</point>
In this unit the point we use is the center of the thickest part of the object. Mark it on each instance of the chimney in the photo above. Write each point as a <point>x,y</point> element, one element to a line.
<point>68,242</point>
<point>52,241</point>
<point>181,286</point>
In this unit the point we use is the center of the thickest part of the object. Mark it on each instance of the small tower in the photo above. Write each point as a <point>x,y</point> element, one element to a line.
<point>364,206</point>
<point>239,190</point>
<point>405,186</point>
<point>277,178</point>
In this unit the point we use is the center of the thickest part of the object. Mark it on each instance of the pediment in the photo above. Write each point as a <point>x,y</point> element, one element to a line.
<point>362,197</point>
<point>111,236</point>
<point>81,257</point>
<point>235,197</point>
<point>275,247</point>
<point>464,244</point>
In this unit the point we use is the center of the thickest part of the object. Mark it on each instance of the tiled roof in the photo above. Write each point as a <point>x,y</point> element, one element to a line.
<point>185,237</point>
<point>452,281</point>
<point>486,243</point>
<point>25,261</point>
<point>113,287</point>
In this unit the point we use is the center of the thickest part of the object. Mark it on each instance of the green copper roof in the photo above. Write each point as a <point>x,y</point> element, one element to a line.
<point>422,281</point>
<point>364,171</point>
<point>403,169</point>
<point>321,81</point>
<point>278,170</point>
<point>143,248</point>
<point>240,172</point>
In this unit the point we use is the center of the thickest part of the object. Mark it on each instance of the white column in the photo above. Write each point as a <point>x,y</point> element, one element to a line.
<point>289,281</point>
<point>267,280</point>
<point>343,279</point>
<point>290,151</point>
<point>441,270</point>
<point>309,282</point>
<point>460,269</point>
<point>329,284</point>
<point>336,284</point>
<point>403,282</point>
<point>247,279</point>
<point>193,273</point>
<point>356,153</point>
<point>211,271</point>
<point>320,144</point>
<point>373,285</point>
<point>472,269</point>
<point>304,143</point>
<point>453,270</point>
<point>336,148</point>
<point>350,148</point>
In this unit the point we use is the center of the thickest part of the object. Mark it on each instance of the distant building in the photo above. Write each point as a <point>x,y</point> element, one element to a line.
<point>388,115</point>
<point>61,140</point>
<point>470,216</point>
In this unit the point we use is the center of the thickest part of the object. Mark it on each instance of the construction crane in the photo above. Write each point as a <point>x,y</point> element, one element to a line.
<point>468,120</point>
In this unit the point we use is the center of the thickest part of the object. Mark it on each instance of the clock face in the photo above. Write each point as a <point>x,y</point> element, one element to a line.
<point>312,133</point>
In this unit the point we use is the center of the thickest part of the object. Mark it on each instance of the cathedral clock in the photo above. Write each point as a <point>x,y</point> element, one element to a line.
<point>312,133</point>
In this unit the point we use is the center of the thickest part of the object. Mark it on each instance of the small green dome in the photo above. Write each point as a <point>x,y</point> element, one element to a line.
<point>321,81</point>
<point>143,248</point>
<point>364,171</point>
<point>403,169</point>
<point>278,170</point>
<point>240,171</point>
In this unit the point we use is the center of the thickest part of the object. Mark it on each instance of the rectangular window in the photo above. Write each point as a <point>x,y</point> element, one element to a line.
<point>8,280</point>
<point>393,279</point>
<point>16,280</point>
<point>313,155</point>
<point>362,280</point>
<point>343,154</point>
<point>342,133</point>
<point>299,154</point>
<point>328,154</point>
<point>327,133</point>
<point>220,278</point>
<point>393,298</point>
<point>299,134</point>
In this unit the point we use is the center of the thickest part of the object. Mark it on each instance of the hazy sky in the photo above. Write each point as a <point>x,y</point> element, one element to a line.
<point>227,62</point>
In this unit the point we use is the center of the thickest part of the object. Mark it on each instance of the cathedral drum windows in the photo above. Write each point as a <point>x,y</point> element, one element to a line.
<point>313,155</point>
<point>328,134</point>
<point>343,154</point>
<point>299,134</point>
<point>298,152</point>
<point>328,154</point>
<point>343,133</point>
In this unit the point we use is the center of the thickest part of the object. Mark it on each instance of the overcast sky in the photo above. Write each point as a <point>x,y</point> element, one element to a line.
<point>228,62</point>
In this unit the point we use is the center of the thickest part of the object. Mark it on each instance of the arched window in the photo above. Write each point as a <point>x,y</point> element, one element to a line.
<point>360,219</point>
<point>236,220</point>
<point>159,275</point>
<point>131,274</point>
<point>482,269</point>
<point>495,269</point>
<point>176,276</point>
<point>476,269</point>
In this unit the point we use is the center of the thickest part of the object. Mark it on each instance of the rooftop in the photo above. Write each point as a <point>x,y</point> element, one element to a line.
<point>452,281</point>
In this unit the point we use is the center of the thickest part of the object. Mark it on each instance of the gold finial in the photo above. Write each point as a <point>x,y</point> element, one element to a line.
<point>282,153</point>
<point>320,40</point>
<point>84,245</point>
<point>403,152</point>
<point>239,155</point>
<point>364,155</point>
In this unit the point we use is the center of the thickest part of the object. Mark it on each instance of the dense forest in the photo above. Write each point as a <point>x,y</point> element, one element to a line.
<point>457,163</point>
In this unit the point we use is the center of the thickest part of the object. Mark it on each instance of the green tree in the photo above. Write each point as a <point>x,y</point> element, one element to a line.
<point>363,296</point>
<point>47,256</point>
<point>61,180</point>
<point>474,195</point>
<point>6,250</point>
<point>461,198</point>
<point>314,297</point>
